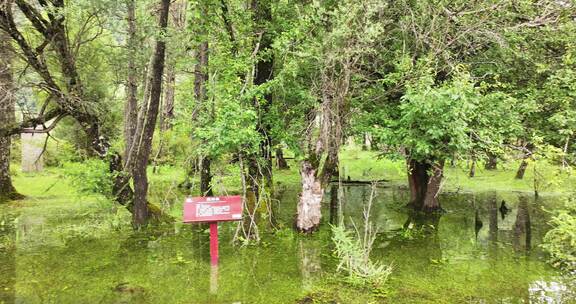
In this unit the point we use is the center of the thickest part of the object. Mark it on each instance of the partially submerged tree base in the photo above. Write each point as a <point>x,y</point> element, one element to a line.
<point>424,178</point>
<point>309,205</point>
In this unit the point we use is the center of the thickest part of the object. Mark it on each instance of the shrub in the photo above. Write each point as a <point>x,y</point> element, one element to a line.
<point>353,250</point>
<point>91,176</point>
<point>560,241</point>
<point>355,259</point>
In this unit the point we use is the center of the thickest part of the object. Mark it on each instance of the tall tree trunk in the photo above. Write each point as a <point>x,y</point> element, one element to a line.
<point>147,124</point>
<point>168,105</point>
<point>492,161</point>
<point>7,117</point>
<point>315,173</point>
<point>322,162</point>
<point>522,169</point>
<point>263,73</point>
<point>178,22</point>
<point>281,162</point>
<point>201,95</point>
<point>131,105</point>
<point>472,172</point>
<point>524,164</point>
<point>206,177</point>
<point>424,180</point>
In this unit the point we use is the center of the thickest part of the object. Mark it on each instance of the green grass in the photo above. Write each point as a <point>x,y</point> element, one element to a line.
<point>365,165</point>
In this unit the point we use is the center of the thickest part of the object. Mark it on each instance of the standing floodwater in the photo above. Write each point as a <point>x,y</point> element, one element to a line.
<point>475,252</point>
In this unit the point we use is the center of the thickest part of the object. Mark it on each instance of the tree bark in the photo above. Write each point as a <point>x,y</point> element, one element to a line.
<point>424,180</point>
<point>7,117</point>
<point>178,22</point>
<point>263,73</point>
<point>281,162</point>
<point>201,95</point>
<point>417,181</point>
<point>206,177</point>
<point>131,105</point>
<point>492,161</point>
<point>524,164</point>
<point>146,126</point>
<point>472,172</point>
<point>168,105</point>
<point>522,169</point>
<point>431,202</point>
<point>309,205</point>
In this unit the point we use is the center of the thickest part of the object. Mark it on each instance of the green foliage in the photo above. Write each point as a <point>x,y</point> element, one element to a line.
<point>560,241</point>
<point>232,129</point>
<point>90,177</point>
<point>434,122</point>
<point>544,162</point>
<point>61,152</point>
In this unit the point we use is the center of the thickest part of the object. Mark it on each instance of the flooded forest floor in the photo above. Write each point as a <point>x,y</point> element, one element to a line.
<point>61,245</point>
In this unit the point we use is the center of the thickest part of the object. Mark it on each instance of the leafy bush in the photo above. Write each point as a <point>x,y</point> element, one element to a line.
<point>560,241</point>
<point>91,176</point>
<point>59,153</point>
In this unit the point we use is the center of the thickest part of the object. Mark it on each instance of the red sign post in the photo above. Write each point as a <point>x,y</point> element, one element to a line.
<point>213,210</point>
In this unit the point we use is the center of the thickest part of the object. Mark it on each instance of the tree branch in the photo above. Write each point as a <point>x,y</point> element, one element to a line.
<point>18,128</point>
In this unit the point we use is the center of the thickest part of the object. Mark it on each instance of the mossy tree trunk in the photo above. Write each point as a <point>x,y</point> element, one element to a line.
<point>521,169</point>
<point>7,117</point>
<point>472,171</point>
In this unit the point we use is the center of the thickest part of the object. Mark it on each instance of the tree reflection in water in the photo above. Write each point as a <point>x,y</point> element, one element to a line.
<point>522,229</point>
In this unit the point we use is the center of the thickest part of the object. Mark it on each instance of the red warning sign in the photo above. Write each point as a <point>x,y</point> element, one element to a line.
<point>213,209</point>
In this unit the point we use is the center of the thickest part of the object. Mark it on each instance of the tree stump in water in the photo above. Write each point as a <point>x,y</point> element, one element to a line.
<point>309,205</point>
